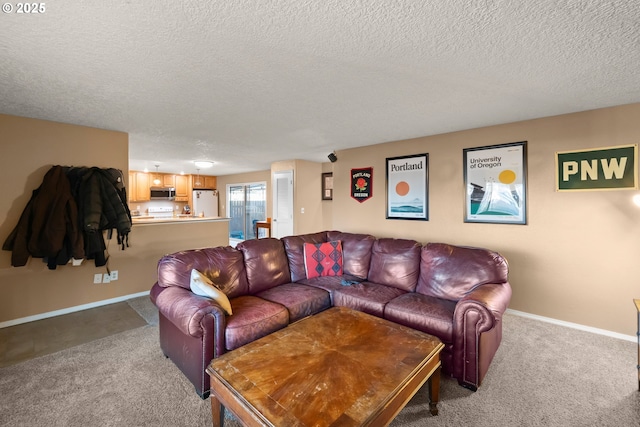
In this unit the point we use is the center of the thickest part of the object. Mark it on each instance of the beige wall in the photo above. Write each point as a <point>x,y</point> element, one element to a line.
<point>307,196</point>
<point>576,260</point>
<point>307,207</point>
<point>29,148</point>
<point>327,205</point>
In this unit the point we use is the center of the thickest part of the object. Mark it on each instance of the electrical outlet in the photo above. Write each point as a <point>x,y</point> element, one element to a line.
<point>114,275</point>
<point>106,278</point>
<point>97,278</point>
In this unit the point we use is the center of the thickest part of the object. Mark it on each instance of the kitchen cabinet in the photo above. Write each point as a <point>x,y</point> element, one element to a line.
<point>143,183</point>
<point>139,184</point>
<point>204,181</point>
<point>168,180</point>
<point>182,188</point>
<point>131,184</point>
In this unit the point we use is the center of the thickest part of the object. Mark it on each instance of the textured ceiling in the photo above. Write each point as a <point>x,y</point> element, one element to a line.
<point>245,82</point>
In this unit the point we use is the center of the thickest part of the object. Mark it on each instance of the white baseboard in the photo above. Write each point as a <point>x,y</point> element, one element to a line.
<point>632,338</point>
<point>69,310</point>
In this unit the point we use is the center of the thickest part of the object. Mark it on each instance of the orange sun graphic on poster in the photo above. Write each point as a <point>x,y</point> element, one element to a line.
<point>507,176</point>
<point>402,188</point>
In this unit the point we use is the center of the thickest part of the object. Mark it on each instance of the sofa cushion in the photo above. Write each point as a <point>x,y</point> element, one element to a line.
<point>367,297</point>
<point>202,286</point>
<point>300,300</point>
<point>395,262</point>
<point>293,246</point>
<point>253,318</point>
<point>323,259</point>
<point>265,262</point>
<point>356,252</point>
<point>224,265</point>
<point>330,283</point>
<point>451,272</point>
<point>424,313</point>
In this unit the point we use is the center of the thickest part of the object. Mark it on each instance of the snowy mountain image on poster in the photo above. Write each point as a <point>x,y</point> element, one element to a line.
<point>499,198</point>
<point>495,182</point>
<point>410,206</point>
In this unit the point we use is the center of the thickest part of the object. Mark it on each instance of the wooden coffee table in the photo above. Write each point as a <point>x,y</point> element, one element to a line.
<point>339,367</point>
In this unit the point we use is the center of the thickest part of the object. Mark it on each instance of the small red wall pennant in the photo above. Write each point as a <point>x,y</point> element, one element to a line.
<point>362,184</point>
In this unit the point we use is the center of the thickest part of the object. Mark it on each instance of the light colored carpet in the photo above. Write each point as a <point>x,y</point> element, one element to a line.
<point>143,306</point>
<point>543,375</point>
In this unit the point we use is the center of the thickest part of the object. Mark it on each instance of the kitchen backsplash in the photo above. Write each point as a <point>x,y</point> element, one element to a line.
<point>142,208</point>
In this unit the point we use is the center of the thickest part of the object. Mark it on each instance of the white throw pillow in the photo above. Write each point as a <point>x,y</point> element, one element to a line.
<point>203,286</point>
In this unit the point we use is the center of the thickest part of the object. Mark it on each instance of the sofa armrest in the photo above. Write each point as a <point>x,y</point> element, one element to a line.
<point>187,311</point>
<point>487,303</point>
<point>492,296</point>
<point>478,331</point>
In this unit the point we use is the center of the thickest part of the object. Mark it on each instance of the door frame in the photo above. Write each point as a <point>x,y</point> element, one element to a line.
<point>228,204</point>
<point>276,229</point>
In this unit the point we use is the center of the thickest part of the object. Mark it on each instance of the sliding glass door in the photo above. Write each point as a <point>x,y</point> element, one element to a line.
<point>247,204</point>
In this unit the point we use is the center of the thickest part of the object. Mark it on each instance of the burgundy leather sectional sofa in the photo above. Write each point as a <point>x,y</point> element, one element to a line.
<point>456,293</point>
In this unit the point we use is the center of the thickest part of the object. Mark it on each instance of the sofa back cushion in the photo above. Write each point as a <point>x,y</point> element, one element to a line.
<point>356,252</point>
<point>395,262</point>
<point>224,265</point>
<point>266,263</point>
<point>293,246</point>
<point>451,272</point>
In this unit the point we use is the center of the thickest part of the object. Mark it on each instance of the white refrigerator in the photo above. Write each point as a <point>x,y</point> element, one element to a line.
<point>205,203</point>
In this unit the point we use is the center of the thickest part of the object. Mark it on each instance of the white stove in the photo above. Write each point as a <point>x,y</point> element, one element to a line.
<point>163,212</point>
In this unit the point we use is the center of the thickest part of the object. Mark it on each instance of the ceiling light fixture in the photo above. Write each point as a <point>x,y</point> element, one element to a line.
<point>156,180</point>
<point>203,164</point>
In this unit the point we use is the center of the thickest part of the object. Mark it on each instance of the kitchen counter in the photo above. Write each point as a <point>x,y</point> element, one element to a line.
<point>173,220</point>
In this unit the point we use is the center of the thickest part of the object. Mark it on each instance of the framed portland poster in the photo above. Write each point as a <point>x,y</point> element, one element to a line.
<point>408,187</point>
<point>495,181</point>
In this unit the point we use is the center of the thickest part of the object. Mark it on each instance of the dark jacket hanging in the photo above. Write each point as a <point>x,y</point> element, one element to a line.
<point>48,226</point>
<point>102,205</point>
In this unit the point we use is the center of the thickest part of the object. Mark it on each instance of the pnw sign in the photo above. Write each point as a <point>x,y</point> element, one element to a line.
<point>612,168</point>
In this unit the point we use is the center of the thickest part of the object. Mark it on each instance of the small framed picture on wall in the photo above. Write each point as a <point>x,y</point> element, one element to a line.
<point>327,186</point>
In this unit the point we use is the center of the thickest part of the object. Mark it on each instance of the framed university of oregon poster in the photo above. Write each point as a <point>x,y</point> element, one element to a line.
<point>495,184</point>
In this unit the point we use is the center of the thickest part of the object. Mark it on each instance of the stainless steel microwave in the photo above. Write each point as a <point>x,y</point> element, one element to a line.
<point>163,193</point>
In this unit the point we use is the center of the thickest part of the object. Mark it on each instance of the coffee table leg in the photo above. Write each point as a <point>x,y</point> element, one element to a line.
<point>434,392</point>
<point>217,411</point>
